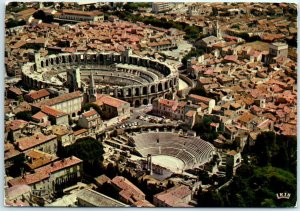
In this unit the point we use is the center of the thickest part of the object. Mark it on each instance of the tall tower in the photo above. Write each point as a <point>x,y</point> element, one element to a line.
<point>218,32</point>
<point>73,79</point>
<point>149,163</point>
<point>91,90</point>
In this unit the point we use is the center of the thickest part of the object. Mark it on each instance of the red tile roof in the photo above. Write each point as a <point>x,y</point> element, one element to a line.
<point>52,111</point>
<point>200,98</point>
<point>38,94</point>
<point>39,116</point>
<point>128,190</point>
<point>32,141</point>
<point>29,179</point>
<point>16,90</point>
<point>173,196</point>
<point>78,132</point>
<point>111,101</point>
<point>59,99</point>
<point>89,113</point>
<point>15,124</point>
<point>59,165</point>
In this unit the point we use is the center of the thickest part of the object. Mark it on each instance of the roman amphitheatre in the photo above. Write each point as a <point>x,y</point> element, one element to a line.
<point>137,80</point>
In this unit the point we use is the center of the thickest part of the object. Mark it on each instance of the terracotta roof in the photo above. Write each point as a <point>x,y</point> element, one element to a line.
<point>15,124</point>
<point>39,158</point>
<point>29,179</point>
<point>16,90</point>
<point>38,94</point>
<point>78,132</point>
<point>102,179</point>
<point>143,203</point>
<point>128,190</point>
<point>52,111</point>
<point>59,165</point>
<point>32,141</point>
<point>173,196</point>
<point>246,117</point>
<point>59,99</point>
<point>39,116</point>
<point>89,113</point>
<point>190,113</point>
<point>200,98</point>
<point>111,101</point>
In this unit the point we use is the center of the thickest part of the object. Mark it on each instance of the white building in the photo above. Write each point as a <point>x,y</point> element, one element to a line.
<point>77,16</point>
<point>158,7</point>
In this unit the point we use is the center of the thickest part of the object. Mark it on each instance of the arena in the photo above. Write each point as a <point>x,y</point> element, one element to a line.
<point>137,80</point>
<point>174,151</point>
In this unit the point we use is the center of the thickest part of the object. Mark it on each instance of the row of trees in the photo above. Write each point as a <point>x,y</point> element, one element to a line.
<point>192,32</point>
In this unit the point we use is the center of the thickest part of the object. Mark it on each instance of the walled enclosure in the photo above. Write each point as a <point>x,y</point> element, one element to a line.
<point>137,80</point>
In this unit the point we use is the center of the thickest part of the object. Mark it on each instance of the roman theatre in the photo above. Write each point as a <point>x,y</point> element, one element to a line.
<point>167,149</point>
<point>135,79</point>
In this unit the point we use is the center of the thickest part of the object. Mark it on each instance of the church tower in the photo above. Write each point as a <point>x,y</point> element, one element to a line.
<point>218,32</point>
<point>91,90</point>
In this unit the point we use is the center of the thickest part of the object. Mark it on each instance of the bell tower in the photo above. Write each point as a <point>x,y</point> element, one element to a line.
<point>91,90</point>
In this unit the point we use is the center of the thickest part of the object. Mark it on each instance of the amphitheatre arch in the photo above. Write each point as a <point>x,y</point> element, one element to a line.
<point>122,75</point>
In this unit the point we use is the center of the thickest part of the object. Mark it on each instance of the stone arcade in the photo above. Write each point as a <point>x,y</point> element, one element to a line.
<point>137,80</point>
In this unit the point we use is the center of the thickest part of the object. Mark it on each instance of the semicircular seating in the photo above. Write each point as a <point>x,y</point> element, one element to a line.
<point>193,151</point>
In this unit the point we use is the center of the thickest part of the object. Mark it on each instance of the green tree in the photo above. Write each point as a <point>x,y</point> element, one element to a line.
<point>24,115</point>
<point>210,199</point>
<point>40,14</point>
<point>90,151</point>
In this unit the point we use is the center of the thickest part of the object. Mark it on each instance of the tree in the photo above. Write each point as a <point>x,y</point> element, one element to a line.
<point>105,8</point>
<point>264,146</point>
<point>24,115</point>
<point>48,19</point>
<point>210,199</point>
<point>40,14</point>
<point>13,23</point>
<point>90,151</point>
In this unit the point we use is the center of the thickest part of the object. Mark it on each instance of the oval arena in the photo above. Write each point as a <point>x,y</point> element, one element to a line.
<point>135,79</point>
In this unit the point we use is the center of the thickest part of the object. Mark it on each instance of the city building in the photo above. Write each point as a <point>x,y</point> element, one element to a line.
<point>70,103</point>
<point>158,7</point>
<point>178,196</point>
<point>91,198</point>
<point>79,16</point>
<point>90,120</point>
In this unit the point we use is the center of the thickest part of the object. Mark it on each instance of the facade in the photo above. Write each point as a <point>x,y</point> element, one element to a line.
<point>90,120</point>
<point>36,96</point>
<point>199,10</point>
<point>78,16</point>
<point>52,177</point>
<point>196,99</point>
<point>39,141</point>
<point>70,103</point>
<point>55,116</point>
<point>112,107</point>
<point>278,49</point>
<point>233,161</point>
<point>158,7</point>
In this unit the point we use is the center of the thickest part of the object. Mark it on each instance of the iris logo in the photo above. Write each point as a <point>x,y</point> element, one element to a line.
<point>283,195</point>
